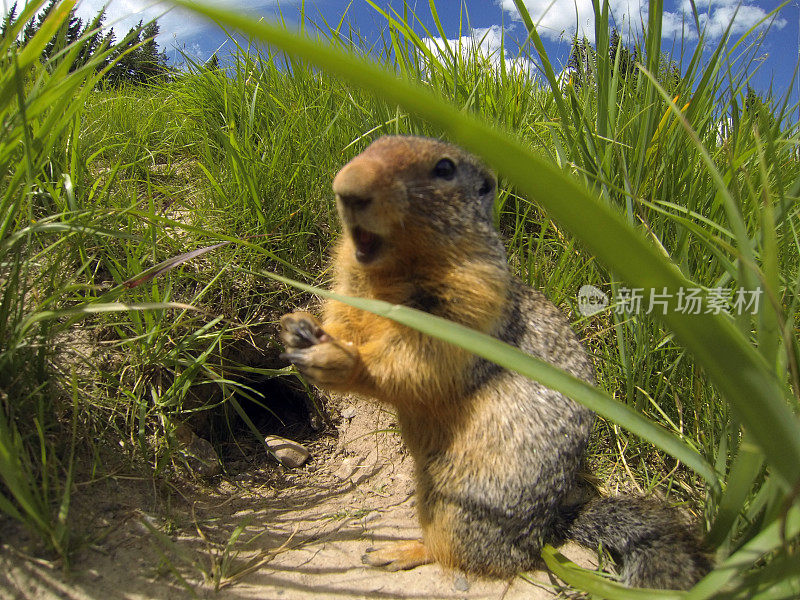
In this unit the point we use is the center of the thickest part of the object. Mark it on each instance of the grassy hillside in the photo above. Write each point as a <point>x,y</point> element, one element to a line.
<point>102,184</point>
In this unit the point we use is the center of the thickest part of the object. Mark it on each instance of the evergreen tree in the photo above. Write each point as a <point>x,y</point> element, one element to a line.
<point>109,41</point>
<point>45,12</point>
<point>580,64</point>
<point>137,58</point>
<point>33,26</point>
<point>627,58</point>
<point>212,63</point>
<point>68,34</point>
<point>94,42</point>
<point>29,31</point>
<point>758,110</point>
<point>8,21</point>
<point>669,77</point>
<point>125,57</point>
<point>152,62</point>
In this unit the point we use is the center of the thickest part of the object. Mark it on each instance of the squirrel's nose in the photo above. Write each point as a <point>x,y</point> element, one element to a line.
<point>357,183</point>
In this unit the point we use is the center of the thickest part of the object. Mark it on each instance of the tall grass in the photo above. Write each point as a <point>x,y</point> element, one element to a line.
<point>39,108</point>
<point>619,180</point>
<point>70,237</point>
<point>740,197</point>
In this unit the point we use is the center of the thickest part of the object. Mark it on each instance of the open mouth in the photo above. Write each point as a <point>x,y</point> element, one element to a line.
<point>368,244</point>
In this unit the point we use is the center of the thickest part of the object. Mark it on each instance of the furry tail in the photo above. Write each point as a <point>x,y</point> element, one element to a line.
<point>656,548</point>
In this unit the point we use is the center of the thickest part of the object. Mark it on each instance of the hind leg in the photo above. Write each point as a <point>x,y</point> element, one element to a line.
<point>398,556</point>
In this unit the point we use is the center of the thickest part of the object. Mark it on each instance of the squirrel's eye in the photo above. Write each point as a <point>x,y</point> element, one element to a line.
<point>445,169</point>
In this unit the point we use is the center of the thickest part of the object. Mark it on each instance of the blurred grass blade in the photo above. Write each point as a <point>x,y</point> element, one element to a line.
<point>780,579</point>
<point>32,51</point>
<point>744,470</point>
<point>768,540</point>
<point>96,308</point>
<point>599,586</point>
<point>514,359</point>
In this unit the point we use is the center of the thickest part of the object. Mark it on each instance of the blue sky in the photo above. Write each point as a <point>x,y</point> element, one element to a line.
<point>491,20</point>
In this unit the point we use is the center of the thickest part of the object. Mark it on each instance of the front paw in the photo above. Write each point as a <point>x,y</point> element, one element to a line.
<point>301,330</point>
<point>321,359</point>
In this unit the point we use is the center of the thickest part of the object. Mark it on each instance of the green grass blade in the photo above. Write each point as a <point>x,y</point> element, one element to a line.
<point>769,539</point>
<point>32,51</point>
<point>514,359</point>
<point>597,585</point>
<point>549,73</point>
<point>744,470</point>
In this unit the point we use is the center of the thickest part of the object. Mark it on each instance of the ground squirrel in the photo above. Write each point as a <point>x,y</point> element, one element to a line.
<point>496,455</point>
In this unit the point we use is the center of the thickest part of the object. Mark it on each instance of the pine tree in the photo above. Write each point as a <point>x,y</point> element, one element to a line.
<point>93,41</point>
<point>74,27</point>
<point>136,59</point>
<point>758,109</point>
<point>126,56</point>
<point>29,31</point>
<point>45,12</point>
<point>68,33</point>
<point>109,40</point>
<point>627,58</point>
<point>33,26</point>
<point>212,63</point>
<point>152,63</point>
<point>580,64</point>
<point>8,21</point>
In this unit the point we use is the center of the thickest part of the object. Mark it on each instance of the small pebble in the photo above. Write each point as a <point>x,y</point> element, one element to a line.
<point>346,469</point>
<point>290,454</point>
<point>198,453</point>
<point>460,584</point>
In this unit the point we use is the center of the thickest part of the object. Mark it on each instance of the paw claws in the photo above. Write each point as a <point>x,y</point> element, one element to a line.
<point>302,331</point>
<point>308,332</point>
<point>297,357</point>
<point>320,358</point>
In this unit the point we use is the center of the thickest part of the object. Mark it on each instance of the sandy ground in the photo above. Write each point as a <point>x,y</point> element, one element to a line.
<point>246,537</point>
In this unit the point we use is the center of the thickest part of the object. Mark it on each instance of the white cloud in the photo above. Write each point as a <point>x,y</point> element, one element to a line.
<point>488,41</point>
<point>560,19</point>
<point>489,44</point>
<point>716,20</point>
<point>677,25</point>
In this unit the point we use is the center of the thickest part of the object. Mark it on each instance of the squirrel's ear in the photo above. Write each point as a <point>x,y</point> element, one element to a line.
<point>486,192</point>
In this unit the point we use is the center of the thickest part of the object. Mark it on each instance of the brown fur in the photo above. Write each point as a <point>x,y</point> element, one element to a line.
<point>497,455</point>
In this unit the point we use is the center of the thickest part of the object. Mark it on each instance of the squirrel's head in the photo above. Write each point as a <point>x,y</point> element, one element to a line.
<point>403,190</point>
